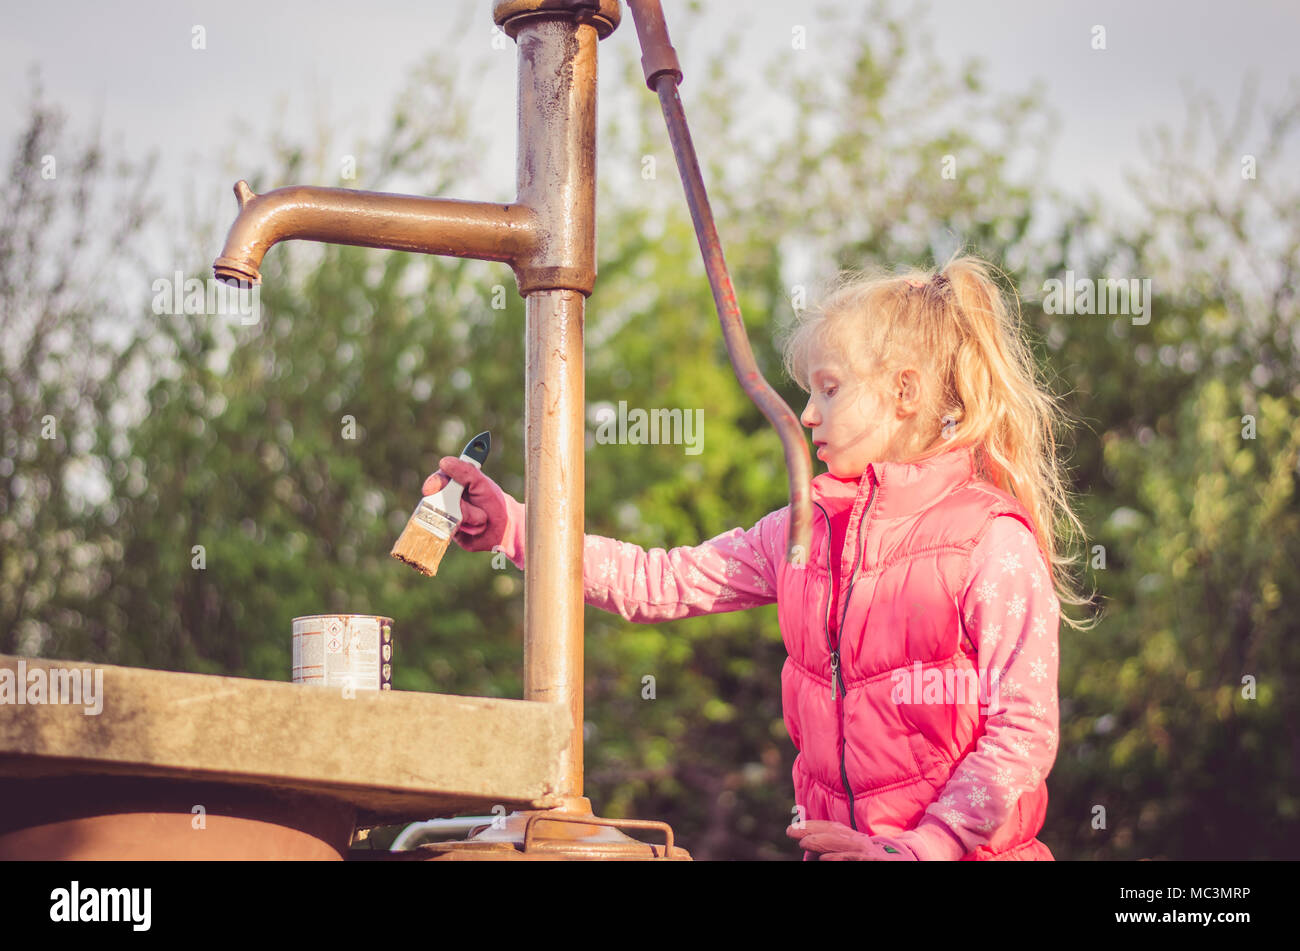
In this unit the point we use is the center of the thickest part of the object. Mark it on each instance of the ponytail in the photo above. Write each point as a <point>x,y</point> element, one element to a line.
<point>1010,418</point>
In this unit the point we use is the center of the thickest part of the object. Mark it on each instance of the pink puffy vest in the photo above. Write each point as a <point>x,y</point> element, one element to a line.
<point>864,760</point>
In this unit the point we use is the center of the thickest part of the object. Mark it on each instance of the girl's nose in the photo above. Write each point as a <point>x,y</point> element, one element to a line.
<point>807,417</point>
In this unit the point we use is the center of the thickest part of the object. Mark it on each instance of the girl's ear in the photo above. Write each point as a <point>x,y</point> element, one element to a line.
<point>908,385</point>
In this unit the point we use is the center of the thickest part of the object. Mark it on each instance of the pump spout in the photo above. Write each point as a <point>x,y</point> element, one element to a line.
<point>468,229</point>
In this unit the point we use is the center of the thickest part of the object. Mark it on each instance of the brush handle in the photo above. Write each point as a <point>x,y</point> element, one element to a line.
<point>477,449</point>
<point>440,512</point>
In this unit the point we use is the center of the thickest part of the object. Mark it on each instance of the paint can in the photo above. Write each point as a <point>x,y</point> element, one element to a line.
<point>338,650</point>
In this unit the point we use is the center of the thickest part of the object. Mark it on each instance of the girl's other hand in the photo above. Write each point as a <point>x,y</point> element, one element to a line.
<point>834,841</point>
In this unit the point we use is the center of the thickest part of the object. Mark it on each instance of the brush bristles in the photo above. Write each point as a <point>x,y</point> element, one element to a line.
<point>420,548</point>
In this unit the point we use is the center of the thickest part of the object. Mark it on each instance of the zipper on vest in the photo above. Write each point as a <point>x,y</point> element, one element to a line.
<point>830,580</point>
<point>836,675</point>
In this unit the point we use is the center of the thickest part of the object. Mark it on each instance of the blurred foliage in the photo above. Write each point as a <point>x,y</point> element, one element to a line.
<point>69,221</point>
<point>1185,462</point>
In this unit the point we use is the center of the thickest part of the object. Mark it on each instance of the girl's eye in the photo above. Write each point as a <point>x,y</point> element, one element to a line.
<point>829,391</point>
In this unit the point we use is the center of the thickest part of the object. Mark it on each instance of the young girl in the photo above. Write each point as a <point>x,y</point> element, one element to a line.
<point>920,686</point>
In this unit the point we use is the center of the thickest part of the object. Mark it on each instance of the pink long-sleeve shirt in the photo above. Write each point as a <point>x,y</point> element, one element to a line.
<point>1011,616</point>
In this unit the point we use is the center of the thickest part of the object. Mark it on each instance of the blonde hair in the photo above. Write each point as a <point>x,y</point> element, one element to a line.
<point>956,328</point>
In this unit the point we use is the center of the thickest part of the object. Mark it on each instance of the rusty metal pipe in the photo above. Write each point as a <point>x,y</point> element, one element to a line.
<point>556,171</point>
<point>555,164</point>
<point>472,229</point>
<point>663,73</point>
<point>555,515</point>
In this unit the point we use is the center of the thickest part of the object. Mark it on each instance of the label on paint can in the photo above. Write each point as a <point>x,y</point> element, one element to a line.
<point>338,650</point>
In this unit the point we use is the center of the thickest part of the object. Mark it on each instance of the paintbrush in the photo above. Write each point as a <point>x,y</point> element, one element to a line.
<point>424,540</point>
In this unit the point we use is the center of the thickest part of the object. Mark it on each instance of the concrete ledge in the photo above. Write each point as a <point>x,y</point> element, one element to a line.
<point>393,755</point>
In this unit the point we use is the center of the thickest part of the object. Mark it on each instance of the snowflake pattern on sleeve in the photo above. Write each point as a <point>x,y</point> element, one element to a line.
<point>1013,617</point>
<point>730,572</point>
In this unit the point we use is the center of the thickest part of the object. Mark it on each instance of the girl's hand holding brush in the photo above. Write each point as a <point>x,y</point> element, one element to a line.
<point>483,503</point>
<point>459,502</point>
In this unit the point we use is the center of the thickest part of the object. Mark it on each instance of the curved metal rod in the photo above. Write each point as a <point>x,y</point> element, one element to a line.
<point>663,73</point>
